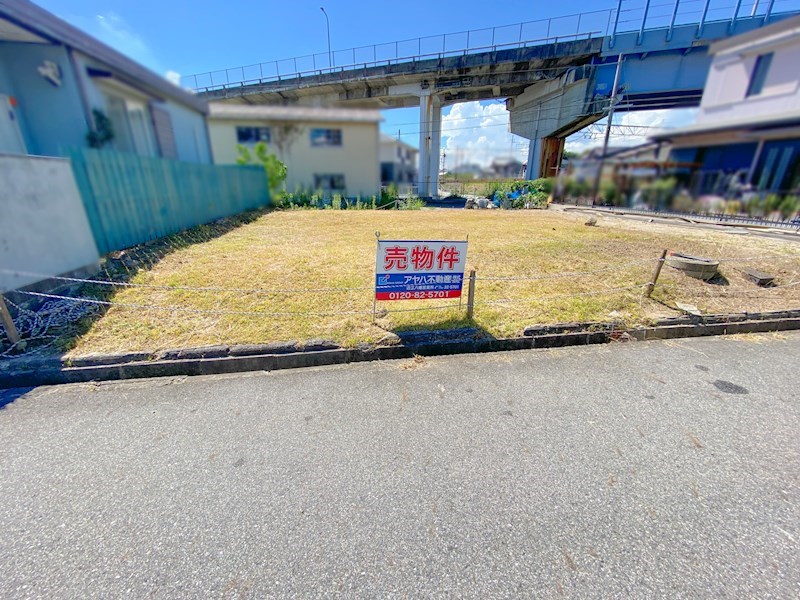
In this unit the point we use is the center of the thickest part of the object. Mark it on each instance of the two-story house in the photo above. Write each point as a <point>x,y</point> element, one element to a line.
<point>748,123</point>
<point>327,150</point>
<point>398,164</point>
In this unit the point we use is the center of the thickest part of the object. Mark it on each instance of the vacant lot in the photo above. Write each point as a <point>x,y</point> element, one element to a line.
<point>297,250</point>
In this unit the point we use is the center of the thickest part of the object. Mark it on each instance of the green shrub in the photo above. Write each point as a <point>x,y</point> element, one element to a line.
<point>412,203</point>
<point>543,184</point>
<point>788,206</point>
<point>755,207</point>
<point>772,203</point>
<point>103,131</point>
<point>609,192</point>
<point>575,188</point>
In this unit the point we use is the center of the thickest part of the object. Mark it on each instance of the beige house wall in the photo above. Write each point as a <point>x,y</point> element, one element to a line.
<point>357,158</point>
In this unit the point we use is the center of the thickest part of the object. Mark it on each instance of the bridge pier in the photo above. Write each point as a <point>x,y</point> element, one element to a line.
<point>430,136</point>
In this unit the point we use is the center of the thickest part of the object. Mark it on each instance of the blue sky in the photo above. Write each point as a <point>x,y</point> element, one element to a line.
<point>181,37</point>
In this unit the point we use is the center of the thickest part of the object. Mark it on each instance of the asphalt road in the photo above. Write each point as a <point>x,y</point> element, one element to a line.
<point>659,469</point>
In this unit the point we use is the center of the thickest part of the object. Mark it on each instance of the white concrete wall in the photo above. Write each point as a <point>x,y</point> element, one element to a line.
<point>43,225</point>
<point>357,158</point>
<point>725,97</point>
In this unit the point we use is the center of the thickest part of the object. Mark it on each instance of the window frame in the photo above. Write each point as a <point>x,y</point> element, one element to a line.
<point>325,137</point>
<point>759,74</point>
<point>331,178</point>
<point>258,134</point>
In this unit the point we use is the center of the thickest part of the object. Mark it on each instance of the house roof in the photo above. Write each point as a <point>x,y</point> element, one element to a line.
<point>387,139</point>
<point>749,123</point>
<point>22,14</point>
<point>264,112</point>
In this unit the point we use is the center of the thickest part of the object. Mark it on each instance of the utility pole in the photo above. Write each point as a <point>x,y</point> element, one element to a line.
<point>613,103</point>
<point>328,23</point>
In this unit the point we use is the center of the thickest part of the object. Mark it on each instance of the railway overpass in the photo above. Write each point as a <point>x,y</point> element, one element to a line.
<point>556,74</point>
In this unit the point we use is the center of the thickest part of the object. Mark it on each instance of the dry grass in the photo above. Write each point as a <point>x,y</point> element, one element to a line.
<point>302,249</point>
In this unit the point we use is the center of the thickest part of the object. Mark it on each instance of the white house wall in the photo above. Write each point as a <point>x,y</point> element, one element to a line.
<point>357,158</point>
<point>725,96</point>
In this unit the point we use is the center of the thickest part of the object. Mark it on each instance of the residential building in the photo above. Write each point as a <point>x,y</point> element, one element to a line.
<point>468,170</point>
<point>398,164</point>
<point>332,150</point>
<point>57,84</point>
<point>506,168</point>
<point>748,126</point>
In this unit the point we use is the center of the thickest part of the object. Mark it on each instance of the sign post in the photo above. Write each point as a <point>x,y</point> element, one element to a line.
<point>419,269</point>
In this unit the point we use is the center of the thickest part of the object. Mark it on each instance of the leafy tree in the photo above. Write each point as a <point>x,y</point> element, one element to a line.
<point>275,169</point>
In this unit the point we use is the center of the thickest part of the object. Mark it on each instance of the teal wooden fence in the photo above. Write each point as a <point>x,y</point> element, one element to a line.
<point>132,199</point>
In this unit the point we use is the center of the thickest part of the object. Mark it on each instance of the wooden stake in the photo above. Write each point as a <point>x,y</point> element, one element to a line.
<point>471,295</point>
<point>651,286</point>
<point>8,323</point>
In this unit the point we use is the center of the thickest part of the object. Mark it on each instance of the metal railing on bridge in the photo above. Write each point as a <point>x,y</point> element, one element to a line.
<point>627,16</point>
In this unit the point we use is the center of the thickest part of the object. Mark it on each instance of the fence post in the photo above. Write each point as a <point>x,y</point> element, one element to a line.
<point>651,286</point>
<point>8,323</point>
<point>471,295</point>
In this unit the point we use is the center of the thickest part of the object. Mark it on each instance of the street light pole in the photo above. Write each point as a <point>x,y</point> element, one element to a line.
<point>328,22</point>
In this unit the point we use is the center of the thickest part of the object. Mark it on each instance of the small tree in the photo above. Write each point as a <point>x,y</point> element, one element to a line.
<point>275,169</point>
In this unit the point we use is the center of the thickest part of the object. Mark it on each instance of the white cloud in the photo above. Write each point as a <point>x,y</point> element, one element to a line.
<point>477,133</point>
<point>654,120</point>
<point>173,77</point>
<point>112,29</point>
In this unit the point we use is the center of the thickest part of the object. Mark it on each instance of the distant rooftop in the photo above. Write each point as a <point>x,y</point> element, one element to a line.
<point>265,112</point>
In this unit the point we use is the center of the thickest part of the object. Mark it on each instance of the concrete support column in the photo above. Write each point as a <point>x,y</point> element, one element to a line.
<point>425,117</point>
<point>534,160</point>
<point>435,147</point>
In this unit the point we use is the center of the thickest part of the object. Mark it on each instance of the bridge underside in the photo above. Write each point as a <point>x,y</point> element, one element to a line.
<point>460,78</point>
<point>552,90</point>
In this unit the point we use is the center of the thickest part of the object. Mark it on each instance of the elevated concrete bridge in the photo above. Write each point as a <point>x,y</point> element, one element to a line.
<point>555,84</point>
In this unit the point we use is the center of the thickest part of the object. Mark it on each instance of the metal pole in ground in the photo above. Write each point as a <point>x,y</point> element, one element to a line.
<point>471,295</point>
<point>8,322</point>
<point>613,102</point>
<point>375,291</point>
<point>651,286</point>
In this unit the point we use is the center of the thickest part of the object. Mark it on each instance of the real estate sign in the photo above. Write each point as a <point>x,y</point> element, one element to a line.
<point>419,270</point>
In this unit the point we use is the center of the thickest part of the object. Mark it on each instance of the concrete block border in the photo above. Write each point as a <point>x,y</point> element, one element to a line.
<point>292,355</point>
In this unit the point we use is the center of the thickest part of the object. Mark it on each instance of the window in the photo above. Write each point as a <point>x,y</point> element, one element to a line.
<point>329,183</point>
<point>759,75</point>
<point>252,135</point>
<point>326,137</point>
<point>130,120</point>
<point>778,168</point>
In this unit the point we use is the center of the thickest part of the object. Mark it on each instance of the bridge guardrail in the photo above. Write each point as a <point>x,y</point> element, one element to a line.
<point>628,16</point>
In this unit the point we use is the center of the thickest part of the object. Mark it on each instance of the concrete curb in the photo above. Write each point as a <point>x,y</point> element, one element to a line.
<point>273,357</point>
